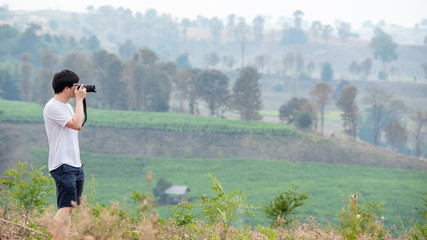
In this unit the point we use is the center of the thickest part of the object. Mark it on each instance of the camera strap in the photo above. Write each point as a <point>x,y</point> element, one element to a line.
<point>84,110</point>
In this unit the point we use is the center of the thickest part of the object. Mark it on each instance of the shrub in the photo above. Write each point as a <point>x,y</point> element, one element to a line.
<point>284,205</point>
<point>28,188</point>
<point>362,221</point>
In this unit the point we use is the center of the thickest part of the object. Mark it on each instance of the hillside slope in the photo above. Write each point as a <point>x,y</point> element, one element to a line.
<point>19,139</point>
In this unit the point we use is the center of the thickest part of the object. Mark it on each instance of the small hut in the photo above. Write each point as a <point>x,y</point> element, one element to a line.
<point>176,194</point>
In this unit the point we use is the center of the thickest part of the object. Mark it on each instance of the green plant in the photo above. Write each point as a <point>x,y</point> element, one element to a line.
<point>284,204</point>
<point>94,201</point>
<point>419,231</point>
<point>29,188</point>
<point>183,213</point>
<point>223,208</point>
<point>359,221</point>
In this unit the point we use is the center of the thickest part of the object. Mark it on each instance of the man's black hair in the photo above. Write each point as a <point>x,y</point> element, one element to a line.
<point>62,79</point>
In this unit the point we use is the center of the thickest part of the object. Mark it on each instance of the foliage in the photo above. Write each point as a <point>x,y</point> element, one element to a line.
<point>247,94</point>
<point>182,213</point>
<point>347,103</point>
<point>320,95</point>
<point>383,107</point>
<point>224,208</point>
<point>327,73</point>
<point>419,230</point>
<point>29,188</point>
<point>384,47</point>
<point>290,110</point>
<point>159,190</point>
<point>212,86</point>
<point>395,134</point>
<point>304,121</point>
<point>361,221</point>
<point>284,204</point>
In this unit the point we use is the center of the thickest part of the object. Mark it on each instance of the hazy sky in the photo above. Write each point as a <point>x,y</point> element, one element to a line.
<point>401,12</point>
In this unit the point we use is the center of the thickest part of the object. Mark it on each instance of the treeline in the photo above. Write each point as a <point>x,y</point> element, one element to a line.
<point>140,84</point>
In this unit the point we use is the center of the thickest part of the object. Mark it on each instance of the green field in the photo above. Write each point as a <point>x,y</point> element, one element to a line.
<point>328,185</point>
<point>22,112</point>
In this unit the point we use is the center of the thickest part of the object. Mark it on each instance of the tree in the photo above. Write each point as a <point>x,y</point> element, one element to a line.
<point>109,67</point>
<point>290,110</point>
<point>183,62</point>
<point>49,62</point>
<point>316,26</point>
<point>420,119</point>
<point>212,86</point>
<point>384,47</point>
<point>10,84</point>
<point>247,94</point>
<point>365,67</point>
<point>211,59</point>
<point>327,72</point>
<point>298,14</point>
<point>395,134</point>
<point>127,50</point>
<point>384,107</point>
<point>148,57</point>
<point>284,204</point>
<point>80,64</point>
<point>326,32</point>
<point>258,28</point>
<point>26,79</point>
<point>159,190</point>
<point>320,96</point>
<point>182,80</point>
<point>157,90</point>
<point>347,103</point>
<point>215,27</point>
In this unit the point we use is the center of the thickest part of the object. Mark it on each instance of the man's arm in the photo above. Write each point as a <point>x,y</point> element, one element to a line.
<point>77,121</point>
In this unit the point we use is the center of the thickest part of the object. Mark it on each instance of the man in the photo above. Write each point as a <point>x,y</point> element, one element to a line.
<point>62,126</point>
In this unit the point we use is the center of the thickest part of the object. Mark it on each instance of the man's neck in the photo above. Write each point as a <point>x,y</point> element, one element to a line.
<point>61,97</point>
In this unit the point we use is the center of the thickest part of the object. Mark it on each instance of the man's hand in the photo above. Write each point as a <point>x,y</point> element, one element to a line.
<point>80,93</point>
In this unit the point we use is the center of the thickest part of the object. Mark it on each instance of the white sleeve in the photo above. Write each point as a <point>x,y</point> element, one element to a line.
<point>59,115</point>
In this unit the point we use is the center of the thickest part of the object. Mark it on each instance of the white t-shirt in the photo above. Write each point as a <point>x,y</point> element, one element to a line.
<point>63,141</point>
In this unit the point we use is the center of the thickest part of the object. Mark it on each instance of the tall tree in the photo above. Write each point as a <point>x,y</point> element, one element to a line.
<point>420,120</point>
<point>384,107</point>
<point>157,90</point>
<point>326,32</point>
<point>108,67</point>
<point>258,28</point>
<point>298,14</point>
<point>316,26</point>
<point>127,50</point>
<point>384,47</point>
<point>26,79</point>
<point>395,134</point>
<point>212,86</point>
<point>320,95</point>
<point>247,94</point>
<point>347,103</point>
<point>215,27</point>
<point>327,73</point>
<point>49,63</point>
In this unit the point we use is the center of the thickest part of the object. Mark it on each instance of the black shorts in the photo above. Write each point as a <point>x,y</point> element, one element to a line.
<point>69,184</point>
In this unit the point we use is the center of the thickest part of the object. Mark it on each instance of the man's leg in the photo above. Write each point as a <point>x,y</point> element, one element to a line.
<point>62,223</point>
